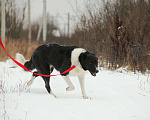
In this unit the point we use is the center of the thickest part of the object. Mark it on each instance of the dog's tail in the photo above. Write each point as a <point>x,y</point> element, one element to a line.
<point>28,64</point>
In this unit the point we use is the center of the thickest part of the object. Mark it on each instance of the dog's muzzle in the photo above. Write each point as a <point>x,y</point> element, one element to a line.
<point>94,74</point>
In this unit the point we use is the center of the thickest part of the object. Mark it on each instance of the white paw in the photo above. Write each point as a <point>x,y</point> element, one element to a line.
<point>86,97</point>
<point>70,88</point>
<point>53,94</point>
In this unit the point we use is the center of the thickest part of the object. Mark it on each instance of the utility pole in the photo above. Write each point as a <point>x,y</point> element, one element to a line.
<point>68,24</point>
<point>3,21</point>
<point>40,28</point>
<point>29,22</point>
<point>44,21</point>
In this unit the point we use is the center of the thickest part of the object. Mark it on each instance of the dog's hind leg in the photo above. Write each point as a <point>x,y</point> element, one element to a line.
<point>46,71</point>
<point>69,83</point>
<point>47,80</point>
<point>32,79</point>
<point>43,68</point>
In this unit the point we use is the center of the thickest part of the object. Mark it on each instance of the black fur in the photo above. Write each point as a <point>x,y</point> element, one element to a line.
<point>29,65</point>
<point>88,60</point>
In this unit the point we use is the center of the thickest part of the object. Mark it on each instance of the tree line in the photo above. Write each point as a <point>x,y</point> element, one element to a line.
<point>119,32</point>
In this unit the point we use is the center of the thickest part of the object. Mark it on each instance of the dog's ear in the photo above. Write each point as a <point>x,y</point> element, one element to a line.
<point>82,60</point>
<point>82,57</point>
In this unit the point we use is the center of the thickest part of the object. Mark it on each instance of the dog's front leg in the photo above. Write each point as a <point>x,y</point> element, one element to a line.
<point>69,83</point>
<point>81,80</point>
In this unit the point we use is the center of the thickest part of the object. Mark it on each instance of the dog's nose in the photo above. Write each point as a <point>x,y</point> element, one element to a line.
<point>97,71</point>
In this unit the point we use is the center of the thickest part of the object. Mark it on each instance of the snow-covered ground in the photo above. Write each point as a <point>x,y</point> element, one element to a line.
<point>114,96</point>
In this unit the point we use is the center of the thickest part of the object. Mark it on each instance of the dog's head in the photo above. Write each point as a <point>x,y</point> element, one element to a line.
<point>89,62</point>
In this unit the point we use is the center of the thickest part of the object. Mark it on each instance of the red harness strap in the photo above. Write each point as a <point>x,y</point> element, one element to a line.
<point>71,68</point>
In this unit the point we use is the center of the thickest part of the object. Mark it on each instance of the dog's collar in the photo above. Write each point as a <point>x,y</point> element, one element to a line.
<point>77,64</point>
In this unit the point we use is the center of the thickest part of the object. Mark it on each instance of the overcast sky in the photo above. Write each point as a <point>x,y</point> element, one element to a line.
<point>53,7</point>
<point>57,8</point>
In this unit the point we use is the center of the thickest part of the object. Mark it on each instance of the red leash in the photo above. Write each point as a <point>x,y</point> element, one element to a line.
<point>71,68</point>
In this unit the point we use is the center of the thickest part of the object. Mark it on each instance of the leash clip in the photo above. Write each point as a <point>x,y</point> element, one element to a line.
<point>77,63</point>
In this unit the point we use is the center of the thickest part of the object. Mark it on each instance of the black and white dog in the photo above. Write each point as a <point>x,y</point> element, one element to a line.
<point>49,56</point>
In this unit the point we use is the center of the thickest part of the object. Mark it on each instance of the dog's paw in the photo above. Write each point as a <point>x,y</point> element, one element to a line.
<point>86,97</point>
<point>53,94</point>
<point>70,88</point>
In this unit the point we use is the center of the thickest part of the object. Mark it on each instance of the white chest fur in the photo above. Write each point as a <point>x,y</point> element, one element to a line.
<point>74,59</point>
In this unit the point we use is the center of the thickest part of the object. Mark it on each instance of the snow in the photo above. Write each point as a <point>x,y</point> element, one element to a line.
<point>118,95</point>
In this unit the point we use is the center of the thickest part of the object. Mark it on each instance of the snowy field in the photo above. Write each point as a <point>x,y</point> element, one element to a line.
<point>118,95</point>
